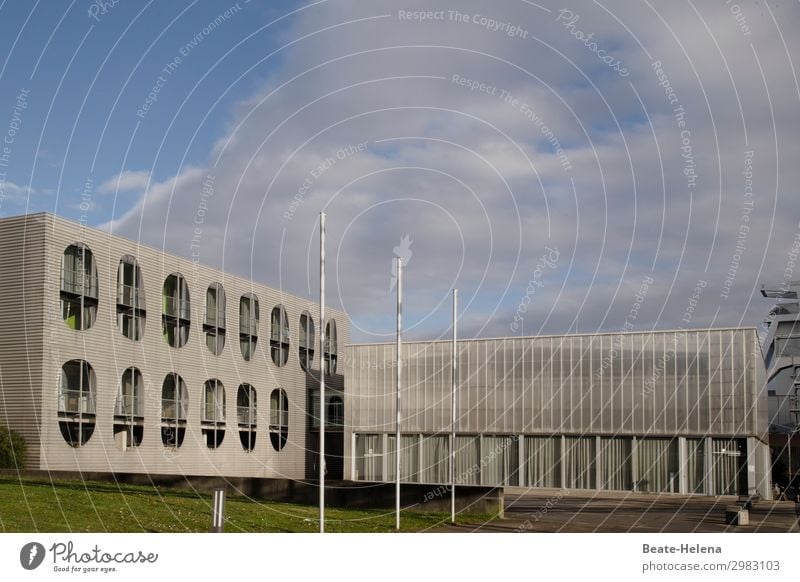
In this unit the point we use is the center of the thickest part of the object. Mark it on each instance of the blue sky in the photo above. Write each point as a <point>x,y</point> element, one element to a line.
<point>484,148</point>
<point>88,76</point>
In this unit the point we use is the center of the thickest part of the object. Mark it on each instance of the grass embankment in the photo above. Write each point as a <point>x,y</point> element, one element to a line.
<point>32,505</point>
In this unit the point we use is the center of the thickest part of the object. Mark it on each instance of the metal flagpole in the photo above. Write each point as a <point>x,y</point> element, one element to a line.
<point>398,377</point>
<point>322,372</point>
<point>453,415</point>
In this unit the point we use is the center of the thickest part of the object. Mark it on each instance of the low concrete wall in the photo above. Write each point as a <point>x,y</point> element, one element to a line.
<point>414,496</point>
<point>360,494</point>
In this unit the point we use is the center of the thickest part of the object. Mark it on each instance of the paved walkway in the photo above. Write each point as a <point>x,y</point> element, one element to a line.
<point>555,510</point>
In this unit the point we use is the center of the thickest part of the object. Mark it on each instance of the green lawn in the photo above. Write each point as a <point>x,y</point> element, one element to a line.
<point>33,505</point>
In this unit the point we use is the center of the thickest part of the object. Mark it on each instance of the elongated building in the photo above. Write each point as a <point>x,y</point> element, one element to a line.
<point>676,411</point>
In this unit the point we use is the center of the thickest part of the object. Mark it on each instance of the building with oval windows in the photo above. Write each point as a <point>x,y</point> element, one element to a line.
<point>120,358</point>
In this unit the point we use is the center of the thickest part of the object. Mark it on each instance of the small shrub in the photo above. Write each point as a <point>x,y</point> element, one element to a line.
<point>12,449</point>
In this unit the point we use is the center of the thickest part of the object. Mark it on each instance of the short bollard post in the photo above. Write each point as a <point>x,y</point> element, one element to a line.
<point>797,514</point>
<point>218,511</point>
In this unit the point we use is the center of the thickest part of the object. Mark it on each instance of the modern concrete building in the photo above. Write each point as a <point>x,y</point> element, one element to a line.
<point>680,411</point>
<point>782,360</point>
<point>115,357</point>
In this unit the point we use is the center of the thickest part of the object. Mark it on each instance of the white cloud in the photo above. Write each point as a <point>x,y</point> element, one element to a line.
<point>9,189</point>
<point>478,186</point>
<point>126,181</point>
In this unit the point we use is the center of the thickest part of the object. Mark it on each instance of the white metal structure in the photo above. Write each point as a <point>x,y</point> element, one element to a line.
<point>453,357</point>
<point>398,385</point>
<point>322,373</point>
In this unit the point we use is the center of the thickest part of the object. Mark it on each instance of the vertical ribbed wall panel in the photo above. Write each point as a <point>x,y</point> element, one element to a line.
<point>689,383</point>
<point>22,328</point>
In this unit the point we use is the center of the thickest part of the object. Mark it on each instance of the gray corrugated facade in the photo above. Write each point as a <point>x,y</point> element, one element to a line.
<point>36,342</point>
<point>23,328</point>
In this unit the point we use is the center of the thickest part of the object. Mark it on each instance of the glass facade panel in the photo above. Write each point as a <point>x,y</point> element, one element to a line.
<point>542,461</point>
<point>369,457</point>
<point>658,465</point>
<point>726,459</point>
<point>436,461</point>
<point>78,287</point>
<point>130,299</point>
<point>467,460</point>
<point>695,465</point>
<point>76,402</point>
<point>176,311</point>
<point>248,325</point>
<point>390,458</point>
<point>214,322</point>
<point>279,336</point>
<point>130,399</point>
<point>331,355</point>
<point>499,461</point>
<point>306,343</point>
<point>579,462</point>
<point>616,464</point>
<point>409,458</point>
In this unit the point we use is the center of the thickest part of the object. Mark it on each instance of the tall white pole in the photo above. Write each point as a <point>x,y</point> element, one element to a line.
<point>453,413</point>
<point>398,376</point>
<point>322,372</point>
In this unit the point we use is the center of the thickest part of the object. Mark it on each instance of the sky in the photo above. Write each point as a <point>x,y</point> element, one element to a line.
<point>569,167</point>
